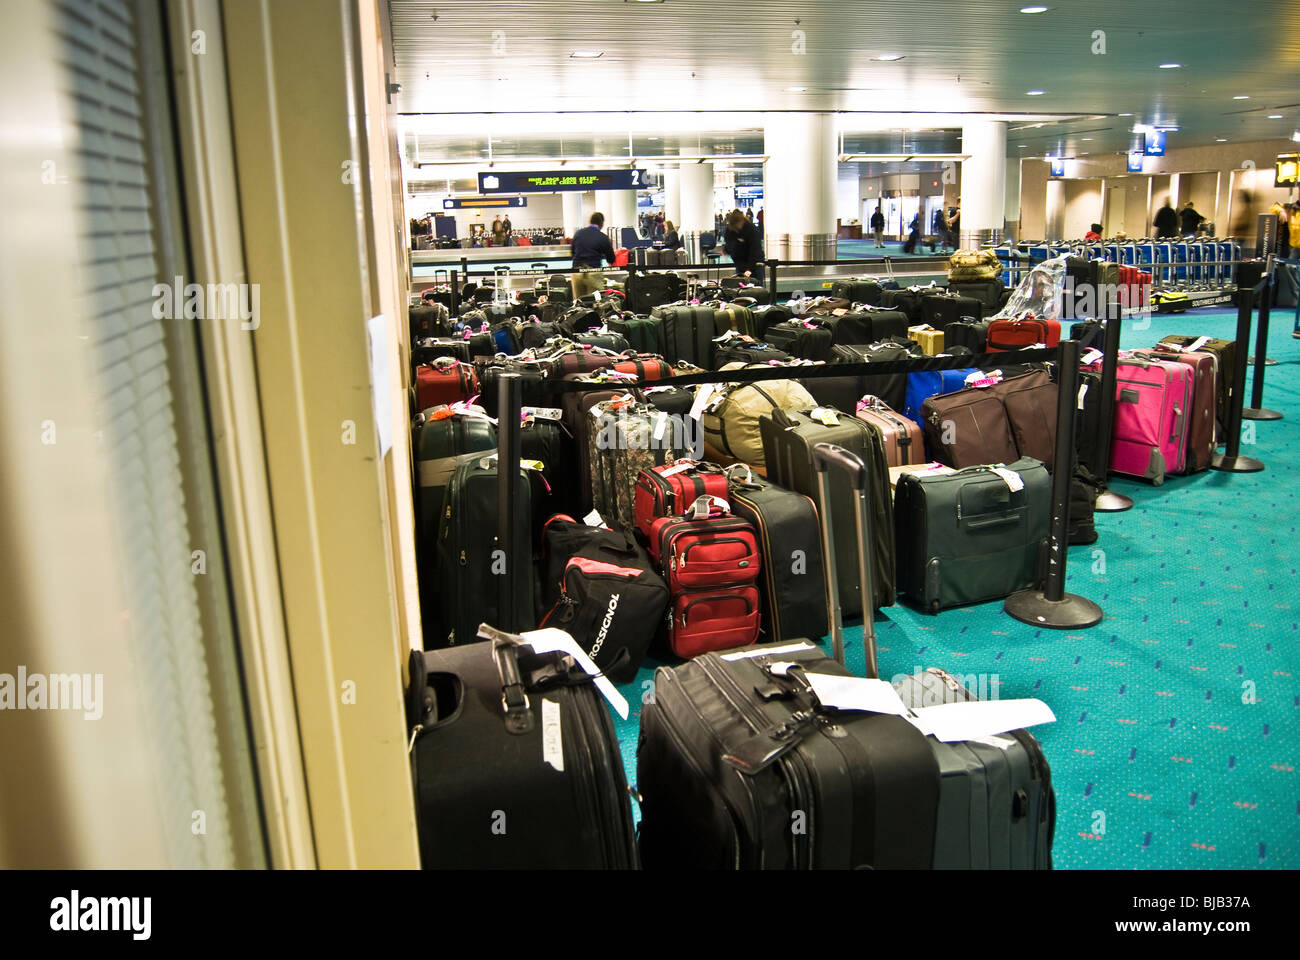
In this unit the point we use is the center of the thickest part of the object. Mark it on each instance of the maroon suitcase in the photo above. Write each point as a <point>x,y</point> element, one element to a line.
<point>444,381</point>
<point>1200,419</point>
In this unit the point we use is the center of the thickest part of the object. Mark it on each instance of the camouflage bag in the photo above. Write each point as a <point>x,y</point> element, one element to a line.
<point>624,438</point>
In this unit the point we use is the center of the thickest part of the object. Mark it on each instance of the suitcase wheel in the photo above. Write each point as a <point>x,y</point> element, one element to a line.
<point>934,607</point>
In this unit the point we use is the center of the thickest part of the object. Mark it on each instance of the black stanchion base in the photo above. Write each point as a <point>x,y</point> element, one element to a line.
<point>1260,413</point>
<point>1111,502</point>
<point>1071,612</point>
<point>1221,461</point>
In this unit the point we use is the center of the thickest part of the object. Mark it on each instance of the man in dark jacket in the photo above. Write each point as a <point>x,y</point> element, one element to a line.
<point>744,246</point>
<point>1166,221</point>
<point>590,249</point>
<point>1189,219</point>
<point>878,227</point>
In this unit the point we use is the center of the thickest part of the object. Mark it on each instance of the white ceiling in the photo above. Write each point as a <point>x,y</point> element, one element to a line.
<point>960,56</point>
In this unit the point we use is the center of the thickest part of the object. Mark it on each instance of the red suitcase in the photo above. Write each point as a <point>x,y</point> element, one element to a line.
<point>647,367</point>
<point>711,565</point>
<point>444,381</point>
<point>1024,332</point>
<point>669,490</point>
<point>1134,288</point>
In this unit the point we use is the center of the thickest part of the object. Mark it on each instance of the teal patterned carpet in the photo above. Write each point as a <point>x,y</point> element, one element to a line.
<point>1178,717</point>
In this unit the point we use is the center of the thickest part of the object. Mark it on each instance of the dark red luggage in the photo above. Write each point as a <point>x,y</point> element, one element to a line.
<point>671,489</point>
<point>1025,332</point>
<point>444,381</point>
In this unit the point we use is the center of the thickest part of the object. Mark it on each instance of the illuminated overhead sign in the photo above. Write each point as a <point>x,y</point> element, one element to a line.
<point>1058,167</point>
<point>485,202</point>
<point>1155,146</point>
<point>1288,170</point>
<point>548,181</point>
<point>1135,162</point>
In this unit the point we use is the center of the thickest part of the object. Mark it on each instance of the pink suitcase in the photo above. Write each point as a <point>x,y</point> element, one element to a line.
<point>1153,401</point>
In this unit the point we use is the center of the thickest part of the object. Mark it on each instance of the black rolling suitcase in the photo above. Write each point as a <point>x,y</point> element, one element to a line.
<point>766,316</point>
<point>843,393</point>
<point>745,350</point>
<point>740,766</point>
<point>973,334</point>
<point>793,583</point>
<point>788,441</point>
<point>643,333</point>
<point>858,290</point>
<point>942,308</point>
<point>688,333</point>
<point>799,339</point>
<point>515,762</point>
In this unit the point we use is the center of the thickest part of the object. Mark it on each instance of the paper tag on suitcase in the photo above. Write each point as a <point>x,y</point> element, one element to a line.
<point>1091,356</point>
<point>1196,344</point>
<point>1083,390</point>
<point>702,398</point>
<point>1012,479</point>
<point>552,736</point>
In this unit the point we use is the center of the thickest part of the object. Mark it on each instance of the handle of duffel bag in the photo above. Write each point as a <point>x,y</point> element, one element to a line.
<point>825,457</point>
<point>703,506</point>
<point>515,706</point>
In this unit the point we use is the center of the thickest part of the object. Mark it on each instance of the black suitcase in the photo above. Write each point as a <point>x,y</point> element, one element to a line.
<point>858,290</point>
<point>556,487</point>
<point>886,322</point>
<point>800,340</point>
<point>843,393</point>
<point>429,320</point>
<point>688,333</point>
<point>908,301</point>
<point>745,350</point>
<point>535,334</point>
<point>766,316</point>
<point>941,309</point>
<point>793,584</point>
<point>532,374</point>
<point>1091,334</point>
<point>966,537</point>
<point>973,334</point>
<point>740,766</point>
<point>643,334</point>
<point>987,292</point>
<point>515,762</point>
<point>606,341</point>
<point>788,441</point>
<point>431,348</point>
<point>645,291</point>
<point>740,287</point>
<point>1087,432</point>
<point>672,400</point>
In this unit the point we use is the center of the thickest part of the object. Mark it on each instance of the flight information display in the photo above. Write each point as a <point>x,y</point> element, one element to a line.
<point>548,181</point>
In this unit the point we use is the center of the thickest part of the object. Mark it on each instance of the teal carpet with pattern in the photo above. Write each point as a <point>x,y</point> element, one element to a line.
<point>1178,717</point>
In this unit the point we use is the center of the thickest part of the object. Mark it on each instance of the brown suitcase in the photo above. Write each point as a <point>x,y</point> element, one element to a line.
<point>968,428</point>
<point>1200,419</point>
<point>903,441</point>
<point>1030,402</point>
<point>1225,354</point>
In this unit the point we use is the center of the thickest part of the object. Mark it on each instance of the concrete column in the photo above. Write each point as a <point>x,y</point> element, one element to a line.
<point>619,208</point>
<point>696,197</point>
<point>573,219</point>
<point>673,195</point>
<point>983,181</point>
<point>1055,211</point>
<point>799,184</point>
<point>1011,207</point>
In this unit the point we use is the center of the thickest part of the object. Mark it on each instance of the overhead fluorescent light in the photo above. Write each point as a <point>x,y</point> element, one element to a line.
<point>888,57</point>
<point>1170,66</point>
<point>1124,114</point>
<point>1241,96</point>
<point>1034,93</point>
<point>586,54</point>
<point>1086,139</point>
<point>652,138</point>
<point>1296,136</point>
<point>1033,9</point>
<point>1220,139</point>
<point>795,89</point>
<point>1275,116</point>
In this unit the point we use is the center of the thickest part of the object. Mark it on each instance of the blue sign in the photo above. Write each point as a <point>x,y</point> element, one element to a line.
<point>1058,167</point>
<point>1135,162</point>
<point>1155,143</point>
<point>485,202</point>
<point>749,193</point>
<point>550,181</point>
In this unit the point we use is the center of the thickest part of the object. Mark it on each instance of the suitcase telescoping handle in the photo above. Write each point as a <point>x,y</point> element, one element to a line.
<point>825,457</point>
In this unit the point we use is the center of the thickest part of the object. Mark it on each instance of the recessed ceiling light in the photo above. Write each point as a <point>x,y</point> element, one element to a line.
<point>1170,66</point>
<point>586,54</point>
<point>1034,93</point>
<point>1086,139</point>
<point>795,89</point>
<point>1033,9</point>
<point>1125,114</point>
<point>1220,139</point>
<point>652,138</point>
<point>1241,96</point>
<point>889,57</point>
<point>1022,145</point>
<point>1275,116</point>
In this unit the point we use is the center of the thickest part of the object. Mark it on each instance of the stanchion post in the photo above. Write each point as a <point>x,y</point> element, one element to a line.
<point>771,277</point>
<point>509,402</point>
<point>1052,606</point>
<point>1256,410</point>
<point>1231,461</point>
<point>1109,501</point>
<point>455,292</point>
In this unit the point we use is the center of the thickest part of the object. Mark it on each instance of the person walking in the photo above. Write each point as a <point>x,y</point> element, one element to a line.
<point>1166,222</point>
<point>878,227</point>
<point>1189,218</point>
<point>913,234</point>
<point>745,247</point>
<point>590,249</point>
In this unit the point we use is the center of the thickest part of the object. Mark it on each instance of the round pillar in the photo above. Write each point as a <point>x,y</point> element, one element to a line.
<point>799,183</point>
<point>983,182</point>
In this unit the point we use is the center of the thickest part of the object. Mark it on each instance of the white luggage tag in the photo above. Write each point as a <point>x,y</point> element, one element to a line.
<point>703,507</point>
<point>825,416</point>
<point>1196,344</point>
<point>1091,356</point>
<point>1012,479</point>
<point>702,397</point>
<point>543,413</point>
